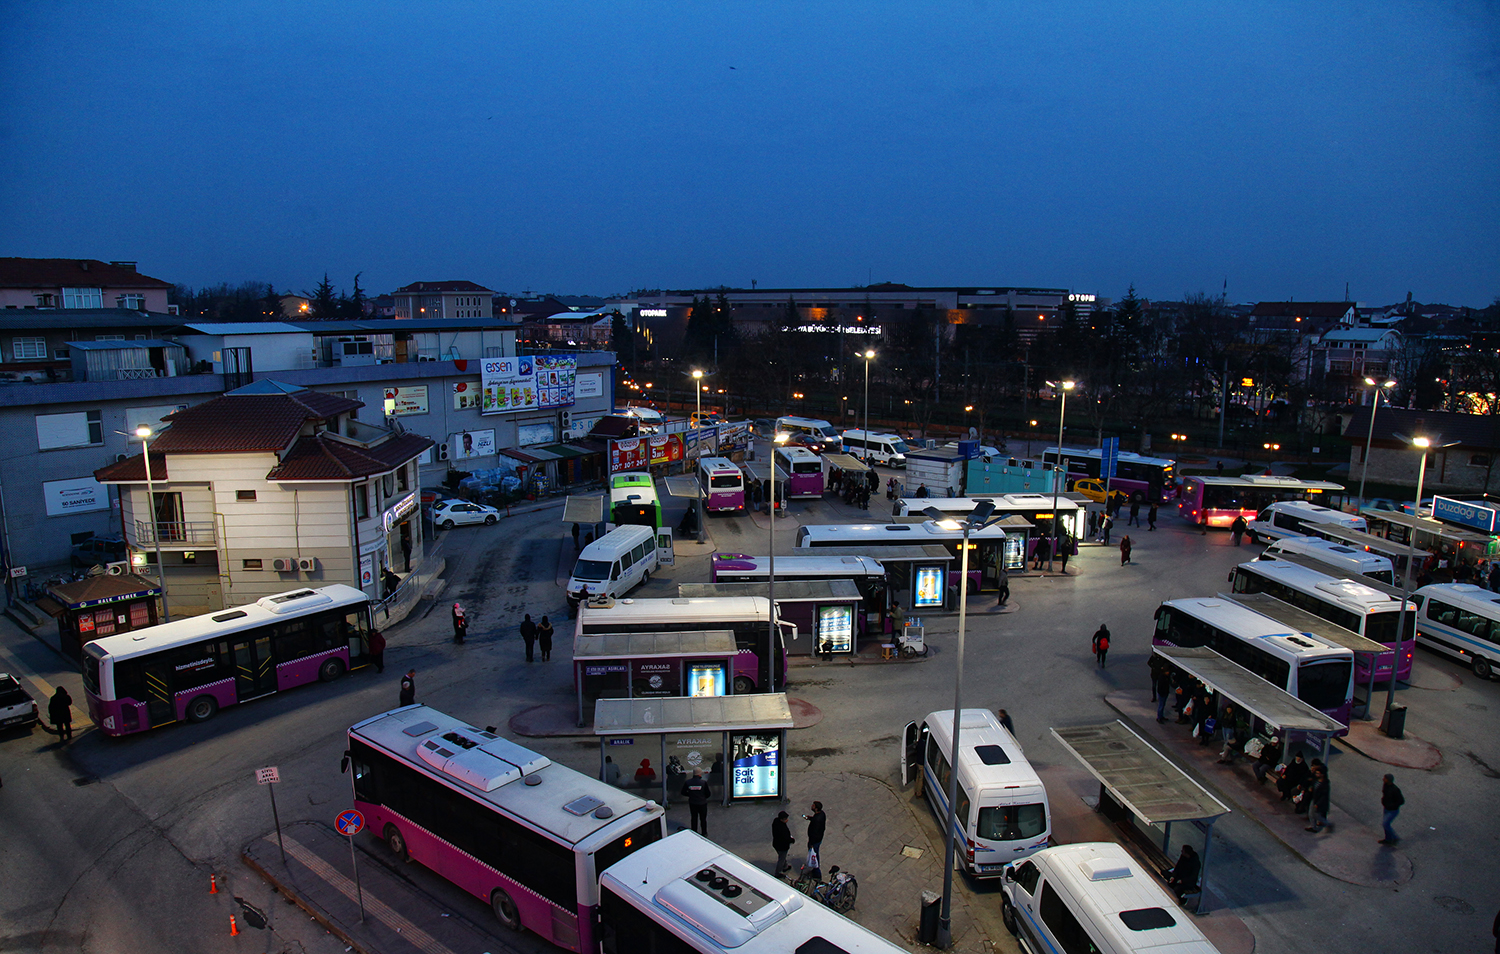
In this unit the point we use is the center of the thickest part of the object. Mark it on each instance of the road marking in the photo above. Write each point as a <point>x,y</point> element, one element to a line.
<point>419,938</point>
<point>43,690</point>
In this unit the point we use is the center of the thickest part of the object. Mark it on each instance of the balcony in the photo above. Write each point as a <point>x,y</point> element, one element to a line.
<point>182,535</point>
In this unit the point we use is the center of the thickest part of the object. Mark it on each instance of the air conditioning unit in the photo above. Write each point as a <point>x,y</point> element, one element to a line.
<point>307,564</point>
<point>117,569</point>
<point>284,564</point>
<point>442,451</point>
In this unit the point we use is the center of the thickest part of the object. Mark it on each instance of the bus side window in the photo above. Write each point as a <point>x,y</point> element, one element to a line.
<point>963,807</point>
<point>1063,924</point>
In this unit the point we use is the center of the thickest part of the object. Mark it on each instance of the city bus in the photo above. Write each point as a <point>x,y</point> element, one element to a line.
<point>1340,558</point>
<point>189,669</point>
<point>1396,554</point>
<point>1318,673</point>
<point>988,548</point>
<point>821,430</point>
<point>1461,620</point>
<point>804,471</point>
<point>748,617</point>
<point>1349,603</point>
<point>1154,478</point>
<point>868,574</point>
<point>1218,500</point>
<point>525,835</point>
<point>1033,509</point>
<point>722,483</point>
<point>633,500</point>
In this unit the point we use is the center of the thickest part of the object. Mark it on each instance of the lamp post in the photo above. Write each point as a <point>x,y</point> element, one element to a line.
<point>1063,387</point>
<point>698,443</point>
<point>979,518</point>
<point>144,433</point>
<point>1425,445</point>
<point>771,567</point>
<point>868,356</point>
<point>1370,438</point>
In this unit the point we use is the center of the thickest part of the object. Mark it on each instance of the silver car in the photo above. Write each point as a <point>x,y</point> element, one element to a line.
<point>450,513</point>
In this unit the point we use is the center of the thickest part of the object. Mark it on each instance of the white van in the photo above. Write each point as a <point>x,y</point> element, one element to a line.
<point>887,449</point>
<point>1094,897</point>
<point>1002,807</point>
<point>1296,518</point>
<point>1341,558</point>
<point>649,420</point>
<point>614,564</point>
<point>818,429</point>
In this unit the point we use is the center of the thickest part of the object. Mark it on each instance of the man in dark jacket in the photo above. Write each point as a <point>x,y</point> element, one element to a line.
<point>1317,814</point>
<point>60,711</point>
<point>1295,776</point>
<point>781,840</point>
<point>696,790</point>
<point>1391,801</point>
<point>817,823</point>
<point>528,633</point>
<point>409,688</point>
<point>1183,878</point>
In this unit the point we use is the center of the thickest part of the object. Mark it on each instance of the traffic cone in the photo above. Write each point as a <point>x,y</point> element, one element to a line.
<point>213,884</point>
<point>234,928</point>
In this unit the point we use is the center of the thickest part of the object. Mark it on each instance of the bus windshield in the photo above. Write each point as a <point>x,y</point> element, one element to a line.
<point>1011,822</point>
<point>627,844</point>
<point>593,570</point>
<point>1324,685</point>
<point>827,431</point>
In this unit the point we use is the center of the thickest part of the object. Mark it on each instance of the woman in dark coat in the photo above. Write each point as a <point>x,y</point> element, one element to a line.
<point>544,638</point>
<point>60,711</point>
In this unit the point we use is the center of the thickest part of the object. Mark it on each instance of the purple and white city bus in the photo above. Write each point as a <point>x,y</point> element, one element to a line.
<point>525,835</point>
<point>804,471</point>
<point>723,484</point>
<point>189,669</point>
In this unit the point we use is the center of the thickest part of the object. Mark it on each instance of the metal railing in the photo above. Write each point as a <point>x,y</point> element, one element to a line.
<point>179,532</point>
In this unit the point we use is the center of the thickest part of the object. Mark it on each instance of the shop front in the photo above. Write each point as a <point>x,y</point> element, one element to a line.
<point>99,606</point>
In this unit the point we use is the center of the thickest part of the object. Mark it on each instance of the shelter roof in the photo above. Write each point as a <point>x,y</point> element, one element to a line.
<point>789,590</point>
<point>746,713</point>
<point>1274,705</point>
<point>1143,779</point>
<point>718,642</point>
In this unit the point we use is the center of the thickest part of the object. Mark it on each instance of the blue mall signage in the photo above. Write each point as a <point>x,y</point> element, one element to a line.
<point>1474,515</point>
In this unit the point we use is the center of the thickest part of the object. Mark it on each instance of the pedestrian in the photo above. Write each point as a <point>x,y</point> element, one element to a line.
<point>1391,801</point>
<point>1238,528</point>
<point>1064,548</point>
<point>528,633</point>
<point>898,617</point>
<point>389,582</point>
<point>60,711</point>
<point>460,624</point>
<point>781,841</point>
<point>1183,878</point>
<point>1005,721</point>
<point>406,545</point>
<point>1042,553</point>
<point>645,775</point>
<point>409,688</point>
<point>1317,812</point>
<point>1219,467</point>
<point>377,649</point>
<point>1093,524</point>
<point>1163,691</point>
<point>575,537</point>
<point>1106,524</point>
<point>697,792</point>
<point>1101,644</point>
<point>1151,517</point>
<point>1294,777</point>
<point>1135,511</point>
<point>1003,581</point>
<point>1125,549</point>
<point>611,771</point>
<point>1494,581</point>
<point>817,824</point>
<point>922,490</point>
<point>1266,759</point>
<point>544,638</point>
<point>1203,523</point>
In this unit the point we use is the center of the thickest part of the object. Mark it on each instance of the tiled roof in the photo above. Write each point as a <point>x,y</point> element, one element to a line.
<point>247,422</point>
<point>103,587</point>
<point>71,273</point>
<point>324,457</point>
<point>131,470</point>
<point>432,288</point>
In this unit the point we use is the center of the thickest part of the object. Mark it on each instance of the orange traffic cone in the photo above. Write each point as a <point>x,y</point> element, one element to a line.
<point>234,929</point>
<point>213,884</point>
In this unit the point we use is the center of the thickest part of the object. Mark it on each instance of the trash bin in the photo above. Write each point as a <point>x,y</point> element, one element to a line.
<point>927,925</point>
<point>1393,723</point>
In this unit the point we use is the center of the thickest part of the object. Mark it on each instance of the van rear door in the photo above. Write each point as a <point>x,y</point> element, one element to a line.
<point>665,554</point>
<point>910,759</point>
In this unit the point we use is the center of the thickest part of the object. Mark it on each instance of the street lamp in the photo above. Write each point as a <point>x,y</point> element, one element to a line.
<point>698,443</point>
<point>980,517</point>
<point>868,356</point>
<point>1062,387</point>
<point>144,433</point>
<point>1370,438</point>
<point>771,568</point>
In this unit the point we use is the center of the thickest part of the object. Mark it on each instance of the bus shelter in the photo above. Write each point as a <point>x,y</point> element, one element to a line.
<point>852,470</point>
<point>908,568</point>
<point>101,605</point>
<point>1274,706</point>
<point>758,474</point>
<point>1466,545</point>
<point>1141,790</point>
<point>651,665</point>
<point>750,729</point>
<point>1311,563</point>
<point>590,513</point>
<point>1397,553</point>
<point>1301,621</point>
<point>825,612</point>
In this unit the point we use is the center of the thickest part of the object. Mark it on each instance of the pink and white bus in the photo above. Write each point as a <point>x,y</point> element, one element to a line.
<point>189,669</point>
<point>723,485</point>
<point>507,825</point>
<point>804,471</point>
<point>1218,500</point>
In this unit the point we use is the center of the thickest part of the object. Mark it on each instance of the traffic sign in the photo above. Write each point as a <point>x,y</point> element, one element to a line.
<point>1110,455</point>
<point>267,775</point>
<point>349,823</point>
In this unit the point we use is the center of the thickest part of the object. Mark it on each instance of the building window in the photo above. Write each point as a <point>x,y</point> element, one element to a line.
<point>244,495</point>
<point>250,564</point>
<point>29,349</point>
<point>1479,460</point>
<point>83,298</point>
<point>133,302</point>
<point>362,501</point>
<point>403,482</point>
<point>78,429</point>
<point>109,337</point>
<point>60,354</point>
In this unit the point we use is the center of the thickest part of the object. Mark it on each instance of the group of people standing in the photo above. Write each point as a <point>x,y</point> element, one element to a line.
<point>854,489</point>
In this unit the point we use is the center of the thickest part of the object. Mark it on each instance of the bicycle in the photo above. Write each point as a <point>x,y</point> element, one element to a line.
<point>839,892</point>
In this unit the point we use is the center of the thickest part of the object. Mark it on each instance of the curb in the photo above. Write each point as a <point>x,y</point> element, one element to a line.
<point>286,891</point>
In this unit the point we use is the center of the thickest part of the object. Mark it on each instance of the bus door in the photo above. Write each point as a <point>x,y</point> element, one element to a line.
<point>159,706</point>
<point>254,672</point>
<point>911,753</point>
<point>991,552</point>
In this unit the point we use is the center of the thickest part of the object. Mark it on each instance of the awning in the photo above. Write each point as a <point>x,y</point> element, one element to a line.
<point>1140,777</point>
<point>1270,703</point>
<point>670,714</point>
<point>585,510</point>
<point>789,590</point>
<point>683,486</point>
<point>565,451</point>
<point>761,470</point>
<point>718,642</point>
<point>847,462</point>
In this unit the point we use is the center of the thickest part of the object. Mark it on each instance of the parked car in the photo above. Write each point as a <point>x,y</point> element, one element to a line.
<point>808,441</point>
<point>450,513</point>
<point>99,550</point>
<point>1094,490</point>
<point>17,708</point>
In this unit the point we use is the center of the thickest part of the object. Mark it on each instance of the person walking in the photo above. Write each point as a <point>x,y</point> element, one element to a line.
<point>409,688</point>
<point>1317,812</point>
<point>611,772</point>
<point>406,545</point>
<point>697,791</point>
<point>460,624</point>
<point>1151,518</point>
<point>1042,553</point>
<point>60,711</point>
<point>1125,547</point>
<point>781,841</point>
<point>377,649</point>
<point>1106,524</point>
<point>575,537</point>
<point>1135,512</point>
<point>1163,679</point>
<point>1238,528</point>
<point>817,824</point>
<point>544,638</point>
<point>1391,801</point>
<point>1064,548</point>
<point>1003,581</point>
<point>528,633</point>
<point>1101,644</point>
<point>1004,718</point>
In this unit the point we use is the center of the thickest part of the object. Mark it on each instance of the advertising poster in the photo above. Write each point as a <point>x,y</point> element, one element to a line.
<point>467,395</point>
<point>665,448</point>
<point>402,402</point>
<point>627,454</point>
<point>688,752</point>
<point>757,765</point>
<point>705,679</point>
<point>929,587</point>
<point>656,677</point>
<point>590,385</point>
<point>468,444</point>
<point>700,442</point>
<point>734,437</point>
<point>79,495</point>
<point>527,382</point>
<point>366,570</point>
<point>836,629</point>
<point>556,379</point>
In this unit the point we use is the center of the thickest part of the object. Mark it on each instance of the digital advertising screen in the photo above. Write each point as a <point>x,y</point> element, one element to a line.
<point>929,588</point>
<point>836,628</point>
<point>655,677</point>
<point>757,764</point>
<point>705,679</point>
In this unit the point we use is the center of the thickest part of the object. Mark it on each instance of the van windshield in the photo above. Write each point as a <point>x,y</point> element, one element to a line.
<point>898,447</point>
<point>596,571</point>
<point>1011,822</point>
<point>827,431</point>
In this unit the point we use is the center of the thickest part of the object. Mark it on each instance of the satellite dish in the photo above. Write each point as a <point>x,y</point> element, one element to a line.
<point>973,434</point>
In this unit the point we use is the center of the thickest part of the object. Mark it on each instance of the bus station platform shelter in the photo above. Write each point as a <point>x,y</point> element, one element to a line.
<point>653,665</point>
<point>1272,705</point>
<point>1140,789</point>
<point>825,612</point>
<point>746,734</point>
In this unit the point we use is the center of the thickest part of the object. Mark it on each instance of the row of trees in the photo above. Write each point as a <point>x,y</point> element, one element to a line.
<point>260,301</point>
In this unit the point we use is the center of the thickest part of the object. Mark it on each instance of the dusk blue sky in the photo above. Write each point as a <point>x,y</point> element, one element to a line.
<point>596,148</point>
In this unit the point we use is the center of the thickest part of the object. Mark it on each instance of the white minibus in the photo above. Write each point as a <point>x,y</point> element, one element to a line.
<point>813,427</point>
<point>1462,620</point>
<point>1340,558</point>
<point>614,564</point>
<point>1094,897</point>
<point>887,449</point>
<point>1002,810</point>
<point>648,420</point>
<point>1289,518</point>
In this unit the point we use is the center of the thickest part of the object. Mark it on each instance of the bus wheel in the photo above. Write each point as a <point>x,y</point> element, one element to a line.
<point>202,709</point>
<point>1482,667</point>
<point>743,685</point>
<point>396,842</point>
<point>331,669</point>
<point>1008,915</point>
<point>505,910</point>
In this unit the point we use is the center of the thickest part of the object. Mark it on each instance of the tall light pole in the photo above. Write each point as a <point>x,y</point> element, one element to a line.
<point>1063,387</point>
<point>698,443</point>
<point>144,433</point>
<point>1425,445</point>
<point>979,518</point>
<point>1370,438</point>
<point>771,568</point>
<point>868,356</point>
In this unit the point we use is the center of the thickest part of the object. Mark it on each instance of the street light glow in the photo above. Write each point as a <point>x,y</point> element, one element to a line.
<point>143,432</point>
